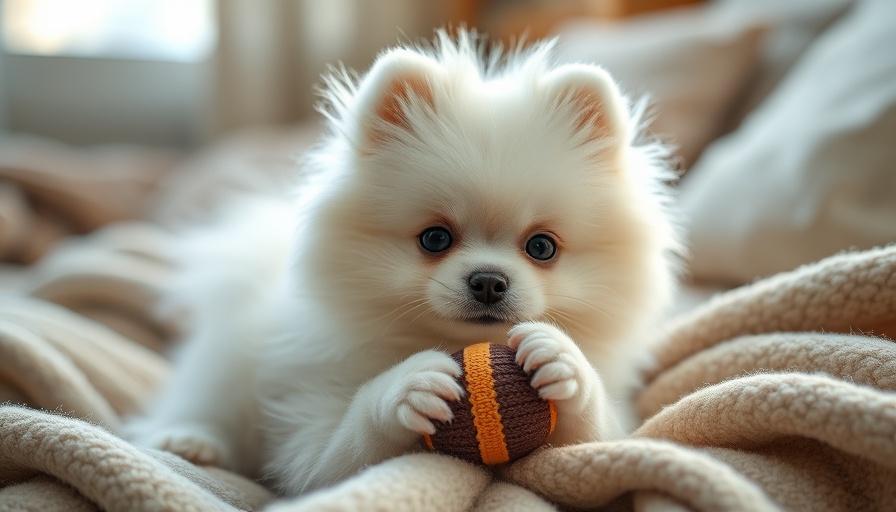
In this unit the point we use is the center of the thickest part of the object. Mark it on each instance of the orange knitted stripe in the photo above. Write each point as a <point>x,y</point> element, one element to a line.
<point>428,441</point>
<point>484,404</point>
<point>553,407</point>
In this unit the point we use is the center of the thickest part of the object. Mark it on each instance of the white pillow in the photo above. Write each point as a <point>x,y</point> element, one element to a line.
<point>694,63</point>
<point>793,25</point>
<point>813,170</point>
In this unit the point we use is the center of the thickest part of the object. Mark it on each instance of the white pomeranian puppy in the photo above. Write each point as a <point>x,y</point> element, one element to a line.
<point>455,199</point>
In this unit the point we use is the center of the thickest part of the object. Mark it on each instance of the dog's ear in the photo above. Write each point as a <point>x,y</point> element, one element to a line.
<point>398,87</point>
<point>590,94</point>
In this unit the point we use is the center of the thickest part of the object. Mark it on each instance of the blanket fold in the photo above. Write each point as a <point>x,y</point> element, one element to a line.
<point>752,411</point>
<point>49,190</point>
<point>420,481</point>
<point>44,494</point>
<point>105,469</point>
<point>43,342</point>
<point>591,475</point>
<point>844,293</point>
<point>859,359</point>
<point>804,474</point>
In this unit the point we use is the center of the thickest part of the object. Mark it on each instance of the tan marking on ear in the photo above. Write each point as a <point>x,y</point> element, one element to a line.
<point>392,107</point>
<point>398,95</point>
<point>595,103</point>
<point>592,118</point>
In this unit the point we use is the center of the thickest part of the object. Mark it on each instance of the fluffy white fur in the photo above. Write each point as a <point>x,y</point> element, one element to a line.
<point>322,328</point>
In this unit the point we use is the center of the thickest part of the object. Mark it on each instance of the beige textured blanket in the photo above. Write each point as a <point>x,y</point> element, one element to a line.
<point>774,396</point>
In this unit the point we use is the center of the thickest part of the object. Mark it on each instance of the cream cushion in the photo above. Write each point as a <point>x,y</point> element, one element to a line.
<point>793,26</point>
<point>812,171</point>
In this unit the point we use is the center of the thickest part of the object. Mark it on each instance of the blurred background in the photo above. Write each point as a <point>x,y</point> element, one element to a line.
<point>782,114</point>
<point>181,72</point>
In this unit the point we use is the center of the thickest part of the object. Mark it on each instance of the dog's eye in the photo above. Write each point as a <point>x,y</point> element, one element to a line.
<point>435,239</point>
<point>541,247</point>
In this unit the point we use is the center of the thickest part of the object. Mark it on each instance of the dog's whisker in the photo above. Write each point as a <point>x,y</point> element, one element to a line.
<point>421,303</point>
<point>582,302</point>
<point>449,288</point>
<point>418,316</point>
<point>400,307</point>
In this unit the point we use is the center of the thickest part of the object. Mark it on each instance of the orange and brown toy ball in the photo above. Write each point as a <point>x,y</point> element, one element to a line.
<point>501,418</point>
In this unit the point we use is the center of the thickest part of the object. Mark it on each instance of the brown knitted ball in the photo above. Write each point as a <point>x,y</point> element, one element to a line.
<point>501,418</point>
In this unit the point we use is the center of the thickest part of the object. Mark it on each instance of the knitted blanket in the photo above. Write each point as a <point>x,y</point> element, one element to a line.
<point>778,395</point>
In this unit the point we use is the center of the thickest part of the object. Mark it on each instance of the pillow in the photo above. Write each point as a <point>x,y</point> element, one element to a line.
<point>813,170</point>
<point>693,63</point>
<point>793,25</point>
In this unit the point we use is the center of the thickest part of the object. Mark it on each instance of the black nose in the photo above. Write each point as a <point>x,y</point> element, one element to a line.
<point>488,287</point>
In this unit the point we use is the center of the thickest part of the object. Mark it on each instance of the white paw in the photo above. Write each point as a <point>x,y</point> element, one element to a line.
<point>555,362</point>
<point>419,388</point>
<point>192,443</point>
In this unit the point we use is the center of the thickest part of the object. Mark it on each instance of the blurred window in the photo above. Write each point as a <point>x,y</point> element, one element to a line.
<point>160,30</point>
